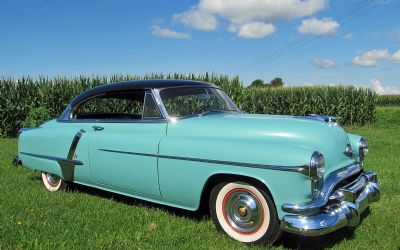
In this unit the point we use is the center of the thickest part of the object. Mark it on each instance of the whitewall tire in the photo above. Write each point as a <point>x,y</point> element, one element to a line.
<point>244,212</point>
<point>53,182</point>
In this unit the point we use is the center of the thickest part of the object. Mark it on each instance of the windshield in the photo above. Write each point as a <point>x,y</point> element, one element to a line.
<point>191,101</point>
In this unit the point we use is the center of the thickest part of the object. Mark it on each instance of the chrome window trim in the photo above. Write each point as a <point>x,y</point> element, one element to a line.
<point>160,104</point>
<point>66,116</point>
<point>72,109</point>
<point>144,106</point>
<point>189,86</point>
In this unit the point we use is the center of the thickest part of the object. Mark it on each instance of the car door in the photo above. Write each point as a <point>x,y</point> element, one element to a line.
<point>124,143</point>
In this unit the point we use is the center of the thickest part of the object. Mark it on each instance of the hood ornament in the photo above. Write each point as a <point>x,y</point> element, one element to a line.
<point>328,119</point>
<point>349,150</point>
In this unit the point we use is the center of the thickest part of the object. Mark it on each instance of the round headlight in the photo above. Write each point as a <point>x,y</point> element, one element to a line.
<point>317,166</point>
<point>363,148</point>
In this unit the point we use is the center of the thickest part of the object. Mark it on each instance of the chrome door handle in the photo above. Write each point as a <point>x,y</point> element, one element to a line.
<point>97,128</point>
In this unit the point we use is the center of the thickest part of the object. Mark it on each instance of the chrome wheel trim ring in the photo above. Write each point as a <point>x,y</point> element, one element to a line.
<point>52,179</point>
<point>225,224</point>
<point>51,182</point>
<point>243,210</point>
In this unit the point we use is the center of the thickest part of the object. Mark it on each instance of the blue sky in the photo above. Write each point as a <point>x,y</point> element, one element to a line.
<point>304,42</point>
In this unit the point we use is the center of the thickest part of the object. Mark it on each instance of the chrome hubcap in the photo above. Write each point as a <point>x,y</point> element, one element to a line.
<point>52,179</point>
<point>243,211</point>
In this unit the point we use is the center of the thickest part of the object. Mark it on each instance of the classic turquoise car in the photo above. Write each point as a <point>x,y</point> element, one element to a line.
<point>185,144</point>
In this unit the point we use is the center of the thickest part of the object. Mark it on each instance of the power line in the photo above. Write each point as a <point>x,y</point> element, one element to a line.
<point>303,40</point>
<point>341,35</point>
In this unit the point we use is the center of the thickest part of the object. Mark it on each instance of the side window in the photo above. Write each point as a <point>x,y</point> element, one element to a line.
<point>117,106</point>
<point>150,110</point>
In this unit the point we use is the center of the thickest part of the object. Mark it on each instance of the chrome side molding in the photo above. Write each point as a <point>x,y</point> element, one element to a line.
<point>297,169</point>
<point>54,158</point>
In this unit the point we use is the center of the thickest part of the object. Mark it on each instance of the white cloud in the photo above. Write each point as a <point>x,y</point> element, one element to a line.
<point>261,10</point>
<point>323,63</point>
<point>383,90</point>
<point>371,57</point>
<point>198,19</point>
<point>396,57</point>
<point>167,33</point>
<point>348,36</point>
<point>255,30</point>
<point>323,27</point>
<point>244,16</point>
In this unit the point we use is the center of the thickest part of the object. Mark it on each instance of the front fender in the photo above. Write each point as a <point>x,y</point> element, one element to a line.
<point>183,179</point>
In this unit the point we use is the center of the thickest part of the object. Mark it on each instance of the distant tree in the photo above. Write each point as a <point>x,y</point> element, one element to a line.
<point>257,84</point>
<point>277,82</point>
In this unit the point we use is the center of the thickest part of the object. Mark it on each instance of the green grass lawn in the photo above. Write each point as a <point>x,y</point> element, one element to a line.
<point>31,217</point>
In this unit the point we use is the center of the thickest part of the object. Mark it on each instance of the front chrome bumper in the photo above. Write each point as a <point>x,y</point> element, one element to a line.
<point>336,207</point>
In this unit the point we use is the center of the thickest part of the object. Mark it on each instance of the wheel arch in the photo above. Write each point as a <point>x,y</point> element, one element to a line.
<point>214,179</point>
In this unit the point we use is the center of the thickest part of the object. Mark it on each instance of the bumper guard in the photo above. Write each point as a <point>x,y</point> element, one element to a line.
<point>342,208</point>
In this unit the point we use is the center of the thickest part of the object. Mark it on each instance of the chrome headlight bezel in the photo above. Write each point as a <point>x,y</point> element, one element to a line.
<point>362,148</point>
<point>316,171</point>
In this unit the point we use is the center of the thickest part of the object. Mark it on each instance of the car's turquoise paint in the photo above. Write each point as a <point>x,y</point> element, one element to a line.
<point>133,173</point>
<point>276,136</point>
<point>234,137</point>
<point>54,139</point>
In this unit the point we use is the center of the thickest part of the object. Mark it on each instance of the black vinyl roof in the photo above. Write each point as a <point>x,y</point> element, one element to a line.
<point>140,84</point>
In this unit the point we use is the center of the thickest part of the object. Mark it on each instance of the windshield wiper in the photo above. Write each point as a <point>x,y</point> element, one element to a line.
<point>216,111</point>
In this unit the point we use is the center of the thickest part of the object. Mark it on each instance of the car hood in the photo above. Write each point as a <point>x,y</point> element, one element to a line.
<point>312,133</point>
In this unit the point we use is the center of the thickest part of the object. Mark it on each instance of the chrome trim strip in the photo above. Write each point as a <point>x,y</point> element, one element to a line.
<point>330,183</point>
<point>74,144</point>
<point>190,86</point>
<point>159,120</point>
<point>299,169</point>
<point>54,158</point>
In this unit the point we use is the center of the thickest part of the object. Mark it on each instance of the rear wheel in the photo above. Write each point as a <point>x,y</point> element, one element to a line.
<point>244,212</point>
<point>53,182</point>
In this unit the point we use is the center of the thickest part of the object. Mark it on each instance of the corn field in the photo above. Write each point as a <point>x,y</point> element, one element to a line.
<point>19,97</point>
<point>389,100</point>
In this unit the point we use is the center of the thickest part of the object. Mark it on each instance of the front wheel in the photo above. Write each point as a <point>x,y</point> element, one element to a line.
<point>244,212</point>
<point>53,182</point>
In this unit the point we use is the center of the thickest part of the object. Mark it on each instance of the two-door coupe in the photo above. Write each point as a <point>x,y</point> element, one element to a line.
<point>185,143</point>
